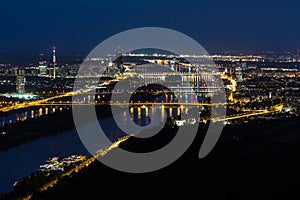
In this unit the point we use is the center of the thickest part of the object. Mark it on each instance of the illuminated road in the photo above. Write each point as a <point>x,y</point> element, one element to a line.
<point>240,116</point>
<point>132,104</point>
<point>101,152</point>
<point>36,103</point>
<point>52,101</point>
<point>47,102</point>
<point>33,103</point>
<point>275,108</point>
<point>44,101</point>
<point>78,167</point>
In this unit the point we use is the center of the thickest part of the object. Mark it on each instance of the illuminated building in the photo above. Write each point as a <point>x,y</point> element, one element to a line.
<point>239,74</point>
<point>42,68</point>
<point>20,84</point>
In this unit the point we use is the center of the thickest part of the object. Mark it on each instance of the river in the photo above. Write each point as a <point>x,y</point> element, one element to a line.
<point>23,160</point>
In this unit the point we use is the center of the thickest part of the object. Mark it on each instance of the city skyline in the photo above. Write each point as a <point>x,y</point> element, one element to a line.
<point>190,99</point>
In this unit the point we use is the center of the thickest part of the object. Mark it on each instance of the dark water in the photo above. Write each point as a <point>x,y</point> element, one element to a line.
<point>21,161</point>
<point>25,159</point>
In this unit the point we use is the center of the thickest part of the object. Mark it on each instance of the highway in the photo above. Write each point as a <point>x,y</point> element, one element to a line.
<point>275,108</point>
<point>46,100</point>
<point>131,104</point>
<point>34,103</point>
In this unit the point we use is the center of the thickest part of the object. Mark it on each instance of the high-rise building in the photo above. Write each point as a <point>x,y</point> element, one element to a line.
<point>20,83</point>
<point>238,71</point>
<point>239,74</point>
<point>119,57</point>
<point>42,68</point>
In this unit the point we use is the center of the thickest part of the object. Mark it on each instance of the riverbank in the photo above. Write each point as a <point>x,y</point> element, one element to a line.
<point>32,129</point>
<point>250,161</point>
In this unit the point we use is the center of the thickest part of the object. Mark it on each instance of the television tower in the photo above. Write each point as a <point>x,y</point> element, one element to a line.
<point>54,61</point>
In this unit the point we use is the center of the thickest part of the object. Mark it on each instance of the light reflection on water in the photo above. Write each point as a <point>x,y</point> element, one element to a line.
<point>33,113</point>
<point>25,159</point>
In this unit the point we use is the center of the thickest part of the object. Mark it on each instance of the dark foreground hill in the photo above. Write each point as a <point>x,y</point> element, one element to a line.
<point>252,161</point>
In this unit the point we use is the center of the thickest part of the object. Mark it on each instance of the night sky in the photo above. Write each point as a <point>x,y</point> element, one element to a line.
<point>218,25</point>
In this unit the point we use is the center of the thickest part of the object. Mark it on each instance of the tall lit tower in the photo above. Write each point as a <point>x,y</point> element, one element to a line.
<point>54,61</point>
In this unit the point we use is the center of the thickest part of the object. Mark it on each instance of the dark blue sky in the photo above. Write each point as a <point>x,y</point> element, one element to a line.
<point>79,25</point>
